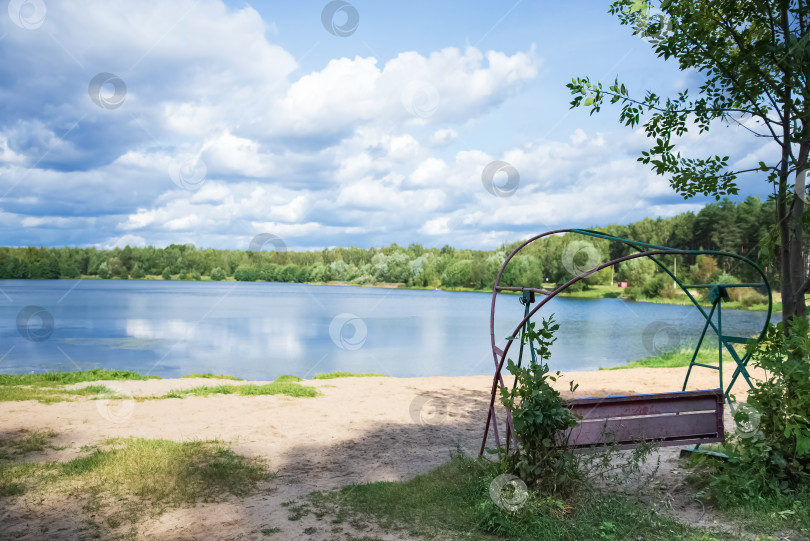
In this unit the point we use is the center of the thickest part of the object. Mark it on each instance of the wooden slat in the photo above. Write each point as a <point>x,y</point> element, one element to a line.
<point>609,409</point>
<point>653,396</point>
<point>659,427</point>
<point>669,443</point>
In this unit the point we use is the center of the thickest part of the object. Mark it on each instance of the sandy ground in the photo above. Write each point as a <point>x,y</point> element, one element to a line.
<point>359,430</point>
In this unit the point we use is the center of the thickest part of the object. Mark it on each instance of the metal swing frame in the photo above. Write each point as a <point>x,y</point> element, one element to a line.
<point>717,294</point>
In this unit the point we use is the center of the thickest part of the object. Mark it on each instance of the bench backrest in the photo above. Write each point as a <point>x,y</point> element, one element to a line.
<point>680,418</point>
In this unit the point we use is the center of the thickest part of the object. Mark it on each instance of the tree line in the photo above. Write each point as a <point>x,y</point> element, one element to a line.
<point>725,226</point>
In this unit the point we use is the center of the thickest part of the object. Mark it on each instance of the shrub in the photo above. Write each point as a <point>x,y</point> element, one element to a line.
<point>217,274</point>
<point>575,287</point>
<point>636,271</point>
<point>246,274</point>
<point>654,286</point>
<point>704,268</point>
<point>771,452</point>
<point>746,296</point>
<point>539,413</point>
<point>457,274</point>
<point>364,279</point>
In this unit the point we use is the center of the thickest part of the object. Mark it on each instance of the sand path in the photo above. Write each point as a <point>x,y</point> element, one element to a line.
<point>359,430</point>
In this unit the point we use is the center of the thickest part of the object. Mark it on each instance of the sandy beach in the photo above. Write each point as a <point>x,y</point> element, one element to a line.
<point>358,430</point>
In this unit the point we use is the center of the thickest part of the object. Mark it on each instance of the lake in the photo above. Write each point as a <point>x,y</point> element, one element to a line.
<point>260,330</point>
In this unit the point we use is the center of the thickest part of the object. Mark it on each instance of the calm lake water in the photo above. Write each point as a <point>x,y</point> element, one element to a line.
<point>261,330</point>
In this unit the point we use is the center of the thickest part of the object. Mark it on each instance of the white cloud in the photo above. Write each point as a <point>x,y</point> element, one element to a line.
<point>122,242</point>
<point>359,148</point>
<point>443,137</point>
<point>436,226</point>
<point>350,92</point>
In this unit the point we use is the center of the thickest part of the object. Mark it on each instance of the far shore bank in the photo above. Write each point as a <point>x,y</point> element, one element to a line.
<point>593,293</point>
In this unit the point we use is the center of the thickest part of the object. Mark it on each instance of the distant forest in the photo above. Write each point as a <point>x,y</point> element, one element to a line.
<point>726,226</point>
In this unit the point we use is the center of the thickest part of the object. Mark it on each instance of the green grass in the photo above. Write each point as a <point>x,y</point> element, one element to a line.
<point>675,359</point>
<point>285,388</point>
<point>27,442</point>
<point>594,292</point>
<point>53,379</point>
<point>613,292</point>
<point>774,512</point>
<point>131,479</point>
<point>209,375</point>
<point>46,395</point>
<point>333,375</point>
<point>49,388</point>
<point>452,502</point>
<point>286,378</point>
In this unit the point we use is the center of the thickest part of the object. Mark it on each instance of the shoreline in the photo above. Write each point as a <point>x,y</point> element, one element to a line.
<point>592,294</point>
<point>134,385</point>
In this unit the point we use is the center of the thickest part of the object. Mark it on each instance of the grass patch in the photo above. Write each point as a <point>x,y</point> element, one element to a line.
<point>674,359</point>
<point>54,379</point>
<point>46,395</point>
<point>593,292</point>
<point>27,442</point>
<point>209,375</point>
<point>333,375</point>
<point>775,512</point>
<point>285,388</point>
<point>453,502</point>
<point>48,387</point>
<point>286,378</point>
<point>135,478</point>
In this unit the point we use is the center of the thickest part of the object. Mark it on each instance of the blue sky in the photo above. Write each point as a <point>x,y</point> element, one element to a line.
<point>212,122</point>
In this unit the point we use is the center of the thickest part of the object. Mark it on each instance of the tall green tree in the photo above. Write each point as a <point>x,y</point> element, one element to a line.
<point>754,57</point>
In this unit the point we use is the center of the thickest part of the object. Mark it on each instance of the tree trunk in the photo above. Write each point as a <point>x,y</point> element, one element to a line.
<point>782,220</point>
<point>798,269</point>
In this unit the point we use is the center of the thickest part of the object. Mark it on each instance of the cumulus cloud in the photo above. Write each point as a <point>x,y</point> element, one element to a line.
<point>220,134</point>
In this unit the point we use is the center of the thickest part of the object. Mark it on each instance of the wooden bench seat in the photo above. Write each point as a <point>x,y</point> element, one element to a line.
<point>678,418</point>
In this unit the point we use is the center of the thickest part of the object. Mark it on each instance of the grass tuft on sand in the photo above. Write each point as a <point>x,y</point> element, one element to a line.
<point>286,378</point>
<point>46,395</point>
<point>126,480</point>
<point>285,388</point>
<point>209,375</point>
<point>333,375</point>
<point>54,379</point>
<point>27,442</point>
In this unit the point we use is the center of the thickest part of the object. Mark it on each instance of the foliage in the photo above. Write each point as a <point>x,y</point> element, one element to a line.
<point>415,266</point>
<point>703,270</point>
<point>217,274</point>
<point>657,286</point>
<point>539,413</point>
<point>771,451</point>
<point>752,59</point>
<point>636,271</point>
